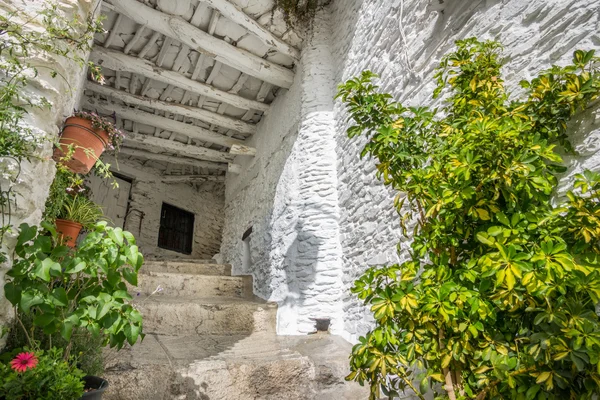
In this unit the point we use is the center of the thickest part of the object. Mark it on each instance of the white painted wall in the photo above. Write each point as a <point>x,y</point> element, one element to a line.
<point>307,251</point>
<point>37,175</point>
<point>287,194</point>
<point>535,34</point>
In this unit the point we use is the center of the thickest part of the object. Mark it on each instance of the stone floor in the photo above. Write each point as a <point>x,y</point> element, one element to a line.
<point>209,338</point>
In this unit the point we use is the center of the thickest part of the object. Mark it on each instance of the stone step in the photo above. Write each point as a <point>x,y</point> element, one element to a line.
<point>187,267</point>
<point>169,315</point>
<point>188,285</point>
<point>218,368</point>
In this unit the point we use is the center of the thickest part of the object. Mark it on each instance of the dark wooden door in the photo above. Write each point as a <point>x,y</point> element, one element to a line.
<point>176,229</point>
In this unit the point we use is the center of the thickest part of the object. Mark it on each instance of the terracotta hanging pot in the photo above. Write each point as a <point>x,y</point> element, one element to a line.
<point>68,231</point>
<point>80,133</point>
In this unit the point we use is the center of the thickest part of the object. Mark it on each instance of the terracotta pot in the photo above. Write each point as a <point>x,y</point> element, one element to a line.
<point>80,133</point>
<point>68,230</point>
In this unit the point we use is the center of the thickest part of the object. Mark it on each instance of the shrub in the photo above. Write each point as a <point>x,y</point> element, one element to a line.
<point>86,349</point>
<point>51,378</point>
<point>64,291</point>
<point>498,298</point>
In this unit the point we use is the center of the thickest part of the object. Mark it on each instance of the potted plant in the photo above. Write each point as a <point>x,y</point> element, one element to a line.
<point>67,292</point>
<point>84,138</point>
<point>77,212</point>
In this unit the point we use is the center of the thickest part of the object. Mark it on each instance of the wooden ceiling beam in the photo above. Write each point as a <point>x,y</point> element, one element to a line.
<point>201,41</point>
<point>192,131</point>
<point>235,14</point>
<point>175,108</point>
<point>156,144</point>
<point>192,178</point>
<point>173,159</point>
<point>118,61</point>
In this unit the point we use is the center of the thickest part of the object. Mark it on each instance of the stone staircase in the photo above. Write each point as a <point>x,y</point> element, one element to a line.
<point>208,337</point>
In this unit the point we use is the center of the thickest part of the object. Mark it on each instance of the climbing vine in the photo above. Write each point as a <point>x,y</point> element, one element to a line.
<point>498,298</point>
<point>23,40</point>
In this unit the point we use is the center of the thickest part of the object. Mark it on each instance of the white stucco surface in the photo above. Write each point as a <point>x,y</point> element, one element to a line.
<point>306,250</point>
<point>62,92</point>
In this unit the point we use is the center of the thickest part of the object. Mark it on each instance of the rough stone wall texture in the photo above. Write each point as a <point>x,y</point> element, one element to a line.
<point>36,176</point>
<point>367,35</point>
<point>287,194</point>
<point>148,193</point>
<point>205,202</point>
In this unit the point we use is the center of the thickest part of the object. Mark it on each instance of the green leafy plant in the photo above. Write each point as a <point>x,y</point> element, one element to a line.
<point>86,350</point>
<point>64,291</point>
<point>79,208</point>
<point>65,185</point>
<point>21,42</point>
<point>498,298</point>
<point>49,377</point>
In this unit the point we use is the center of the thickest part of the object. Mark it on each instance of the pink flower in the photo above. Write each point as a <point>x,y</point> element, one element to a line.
<point>23,361</point>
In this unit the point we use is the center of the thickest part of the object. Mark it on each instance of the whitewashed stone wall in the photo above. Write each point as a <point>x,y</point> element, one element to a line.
<point>280,192</point>
<point>148,193</point>
<point>36,176</point>
<point>287,194</point>
<point>367,35</point>
<point>206,203</point>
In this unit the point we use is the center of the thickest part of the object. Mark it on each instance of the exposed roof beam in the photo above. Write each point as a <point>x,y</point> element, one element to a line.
<point>235,14</point>
<point>129,170</point>
<point>173,159</point>
<point>242,150</point>
<point>192,131</point>
<point>175,108</point>
<point>192,178</point>
<point>199,40</point>
<point>118,61</point>
<point>157,144</point>
<point>136,38</point>
<point>114,31</point>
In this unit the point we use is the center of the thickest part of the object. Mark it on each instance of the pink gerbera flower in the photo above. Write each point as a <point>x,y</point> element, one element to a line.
<point>23,361</point>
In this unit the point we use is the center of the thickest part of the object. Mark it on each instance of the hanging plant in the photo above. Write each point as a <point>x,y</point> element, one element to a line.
<point>19,44</point>
<point>85,136</point>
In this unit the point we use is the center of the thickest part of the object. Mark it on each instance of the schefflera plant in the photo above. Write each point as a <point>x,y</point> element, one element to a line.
<point>65,290</point>
<point>497,300</point>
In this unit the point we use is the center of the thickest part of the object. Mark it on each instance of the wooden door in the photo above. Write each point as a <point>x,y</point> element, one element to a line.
<point>114,202</point>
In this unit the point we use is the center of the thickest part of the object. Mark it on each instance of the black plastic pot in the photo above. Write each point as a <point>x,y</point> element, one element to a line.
<point>94,382</point>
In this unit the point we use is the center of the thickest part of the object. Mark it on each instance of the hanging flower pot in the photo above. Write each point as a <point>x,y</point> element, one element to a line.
<point>84,138</point>
<point>69,231</point>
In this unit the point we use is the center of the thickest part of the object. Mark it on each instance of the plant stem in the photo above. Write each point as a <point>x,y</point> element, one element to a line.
<point>24,329</point>
<point>447,372</point>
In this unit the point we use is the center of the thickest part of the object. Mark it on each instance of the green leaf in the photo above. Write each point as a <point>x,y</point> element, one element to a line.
<point>60,297</point>
<point>78,267</point>
<point>44,267</point>
<point>12,293</point>
<point>28,300</point>
<point>132,332</point>
<point>130,276</point>
<point>116,234</point>
<point>43,320</point>
<point>484,238</point>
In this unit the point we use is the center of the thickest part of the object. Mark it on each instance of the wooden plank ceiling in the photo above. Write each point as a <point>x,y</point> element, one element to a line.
<point>189,80</point>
